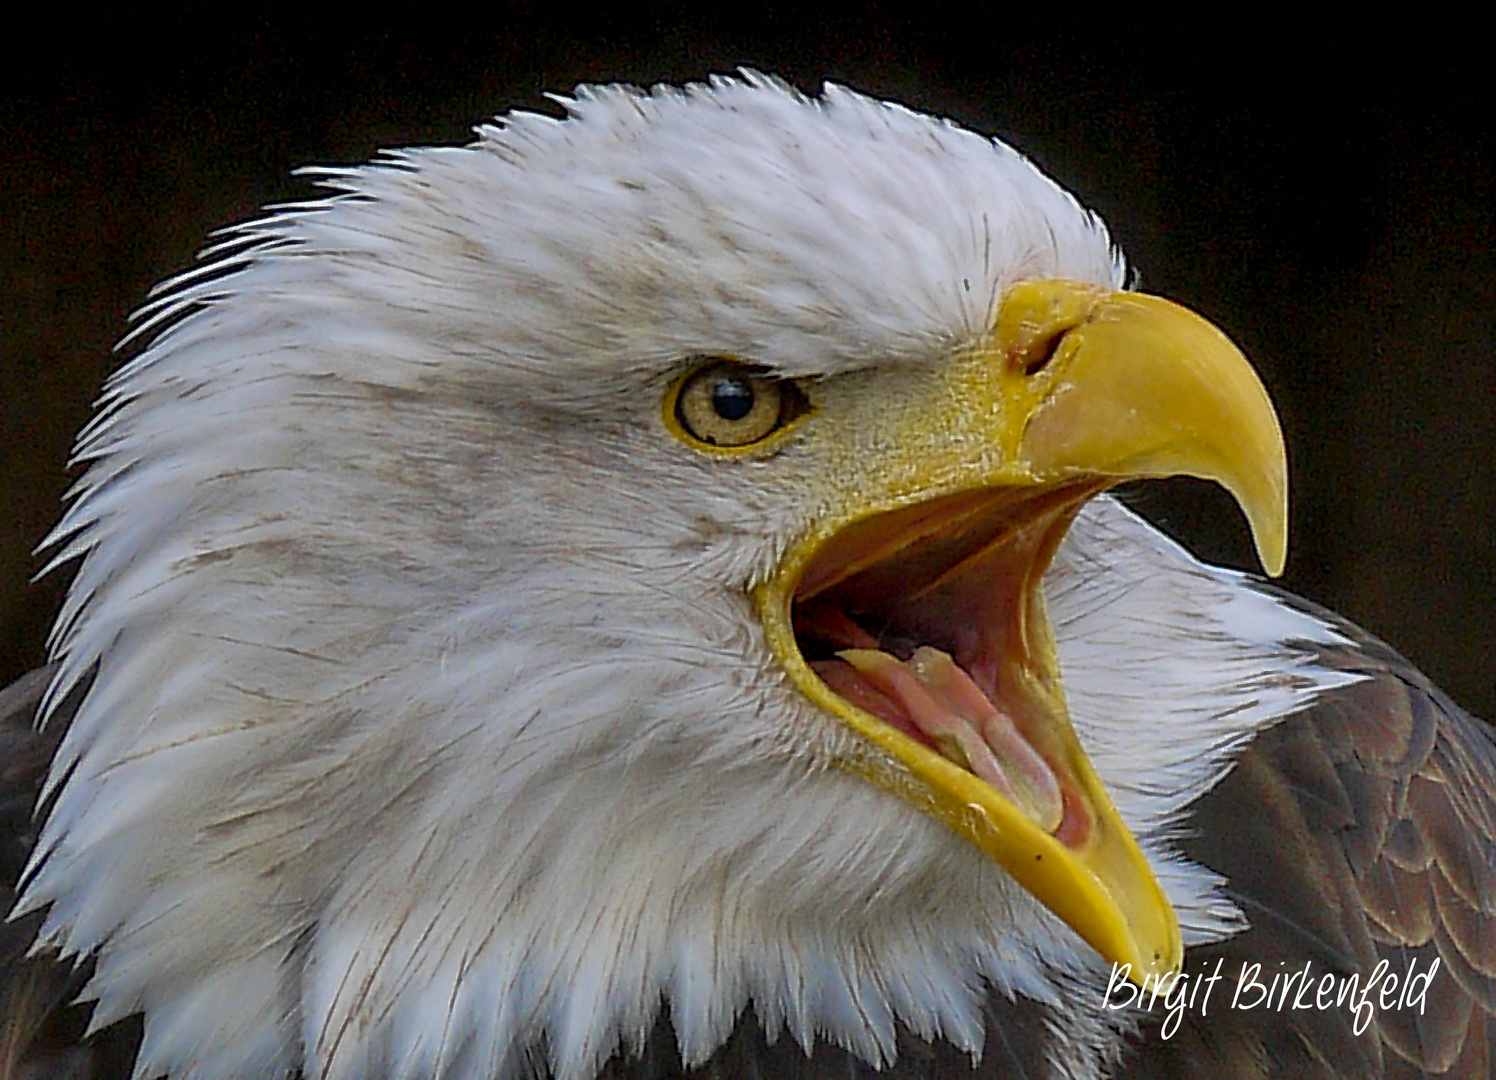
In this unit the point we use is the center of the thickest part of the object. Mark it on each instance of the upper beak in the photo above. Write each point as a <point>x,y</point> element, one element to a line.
<point>1141,387</point>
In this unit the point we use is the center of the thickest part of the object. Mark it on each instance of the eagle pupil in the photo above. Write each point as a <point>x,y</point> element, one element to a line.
<point>732,398</point>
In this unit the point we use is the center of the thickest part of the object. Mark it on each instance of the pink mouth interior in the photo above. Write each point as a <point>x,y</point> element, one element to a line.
<point>930,619</point>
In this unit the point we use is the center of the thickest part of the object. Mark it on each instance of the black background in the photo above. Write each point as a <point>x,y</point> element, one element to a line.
<point>1326,199</point>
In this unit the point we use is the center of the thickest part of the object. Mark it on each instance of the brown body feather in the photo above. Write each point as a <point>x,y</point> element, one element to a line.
<point>1361,829</point>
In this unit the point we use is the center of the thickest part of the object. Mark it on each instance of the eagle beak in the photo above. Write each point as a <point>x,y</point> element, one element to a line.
<point>1142,387</point>
<point>912,611</point>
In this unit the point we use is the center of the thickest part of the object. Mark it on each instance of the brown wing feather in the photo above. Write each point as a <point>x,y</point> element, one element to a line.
<point>1360,830</point>
<point>1017,1039</point>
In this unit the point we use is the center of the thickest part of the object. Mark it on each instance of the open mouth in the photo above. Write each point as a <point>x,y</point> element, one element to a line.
<point>913,613</point>
<point>931,619</point>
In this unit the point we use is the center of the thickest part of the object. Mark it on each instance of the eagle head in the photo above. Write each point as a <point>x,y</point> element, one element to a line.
<point>653,559</point>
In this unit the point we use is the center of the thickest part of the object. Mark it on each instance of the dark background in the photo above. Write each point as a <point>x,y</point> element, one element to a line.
<point>1327,201</point>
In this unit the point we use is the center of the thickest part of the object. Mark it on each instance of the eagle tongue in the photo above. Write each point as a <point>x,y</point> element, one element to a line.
<point>940,701</point>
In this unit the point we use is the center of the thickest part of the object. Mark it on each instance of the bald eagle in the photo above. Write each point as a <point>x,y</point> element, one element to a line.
<point>640,593</point>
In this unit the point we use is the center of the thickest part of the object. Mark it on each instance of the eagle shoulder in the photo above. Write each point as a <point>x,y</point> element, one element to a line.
<point>1360,830</point>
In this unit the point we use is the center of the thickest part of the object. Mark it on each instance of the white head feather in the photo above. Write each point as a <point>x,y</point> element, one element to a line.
<point>430,726</point>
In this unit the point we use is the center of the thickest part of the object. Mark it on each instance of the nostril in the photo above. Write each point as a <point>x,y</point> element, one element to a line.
<point>1033,356</point>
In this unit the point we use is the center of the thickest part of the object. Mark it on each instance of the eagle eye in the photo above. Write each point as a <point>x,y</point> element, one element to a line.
<point>729,405</point>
